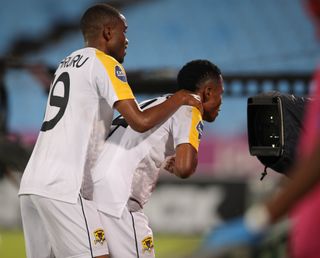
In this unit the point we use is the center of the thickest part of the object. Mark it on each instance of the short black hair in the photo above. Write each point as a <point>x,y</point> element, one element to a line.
<point>95,17</point>
<point>195,72</point>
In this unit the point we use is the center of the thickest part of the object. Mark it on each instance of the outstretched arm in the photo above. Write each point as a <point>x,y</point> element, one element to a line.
<point>142,121</point>
<point>305,176</point>
<point>251,228</point>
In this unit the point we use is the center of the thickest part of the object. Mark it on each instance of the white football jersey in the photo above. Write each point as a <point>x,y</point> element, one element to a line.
<point>78,118</point>
<point>130,161</point>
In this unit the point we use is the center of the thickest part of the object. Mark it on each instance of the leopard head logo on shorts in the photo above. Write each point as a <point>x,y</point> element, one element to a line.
<point>147,244</point>
<point>99,236</point>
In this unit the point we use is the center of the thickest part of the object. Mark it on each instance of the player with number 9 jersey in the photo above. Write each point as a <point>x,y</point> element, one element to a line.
<point>77,120</point>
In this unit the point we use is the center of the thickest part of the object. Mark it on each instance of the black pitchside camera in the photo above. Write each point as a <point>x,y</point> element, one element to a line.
<point>274,122</point>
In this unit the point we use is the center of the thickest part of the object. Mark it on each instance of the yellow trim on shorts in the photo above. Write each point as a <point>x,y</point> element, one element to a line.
<point>121,88</point>
<point>194,134</point>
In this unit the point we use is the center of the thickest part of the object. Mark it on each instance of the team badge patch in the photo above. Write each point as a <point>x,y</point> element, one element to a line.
<point>200,129</point>
<point>147,244</point>
<point>120,74</point>
<point>99,236</point>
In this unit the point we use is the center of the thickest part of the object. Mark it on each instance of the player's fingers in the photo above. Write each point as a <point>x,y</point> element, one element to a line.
<point>197,104</point>
<point>195,100</point>
<point>189,98</point>
<point>170,164</point>
<point>169,168</point>
<point>200,107</point>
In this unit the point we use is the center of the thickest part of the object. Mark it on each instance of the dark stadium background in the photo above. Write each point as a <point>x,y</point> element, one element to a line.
<point>259,45</point>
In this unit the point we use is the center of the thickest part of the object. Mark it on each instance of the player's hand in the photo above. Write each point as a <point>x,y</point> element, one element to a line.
<point>189,98</point>
<point>169,164</point>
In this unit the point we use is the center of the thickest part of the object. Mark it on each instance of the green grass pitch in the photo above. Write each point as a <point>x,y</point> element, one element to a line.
<point>166,246</point>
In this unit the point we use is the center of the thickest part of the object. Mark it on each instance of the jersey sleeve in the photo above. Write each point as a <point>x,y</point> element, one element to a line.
<point>112,80</point>
<point>187,126</point>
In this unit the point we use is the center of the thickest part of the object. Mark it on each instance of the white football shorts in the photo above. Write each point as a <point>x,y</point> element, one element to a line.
<point>59,229</point>
<point>130,236</point>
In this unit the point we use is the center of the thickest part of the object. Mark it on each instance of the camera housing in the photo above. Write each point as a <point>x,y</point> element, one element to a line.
<point>274,123</point>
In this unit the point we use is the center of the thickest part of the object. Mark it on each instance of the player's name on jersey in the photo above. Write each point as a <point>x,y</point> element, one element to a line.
<point>74,61</point>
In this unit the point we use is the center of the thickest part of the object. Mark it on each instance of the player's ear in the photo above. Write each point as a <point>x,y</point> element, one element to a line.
<point>107,32</point>
<point>208,91</point>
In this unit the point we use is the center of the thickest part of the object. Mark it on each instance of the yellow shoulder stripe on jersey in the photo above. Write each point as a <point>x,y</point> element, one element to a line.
<point>117,76</point>
<point>196,128</point>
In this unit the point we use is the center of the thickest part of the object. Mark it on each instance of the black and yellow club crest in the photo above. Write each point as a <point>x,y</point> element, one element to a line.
<point>99,236</point>
<point>147,244</point>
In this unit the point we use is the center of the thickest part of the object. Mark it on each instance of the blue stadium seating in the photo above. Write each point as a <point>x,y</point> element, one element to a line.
<point>240,36</point>
<point>273,35</point>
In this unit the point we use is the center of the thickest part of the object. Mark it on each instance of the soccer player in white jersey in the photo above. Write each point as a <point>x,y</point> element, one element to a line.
<point>128,168</point>
<point>58,219</point>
